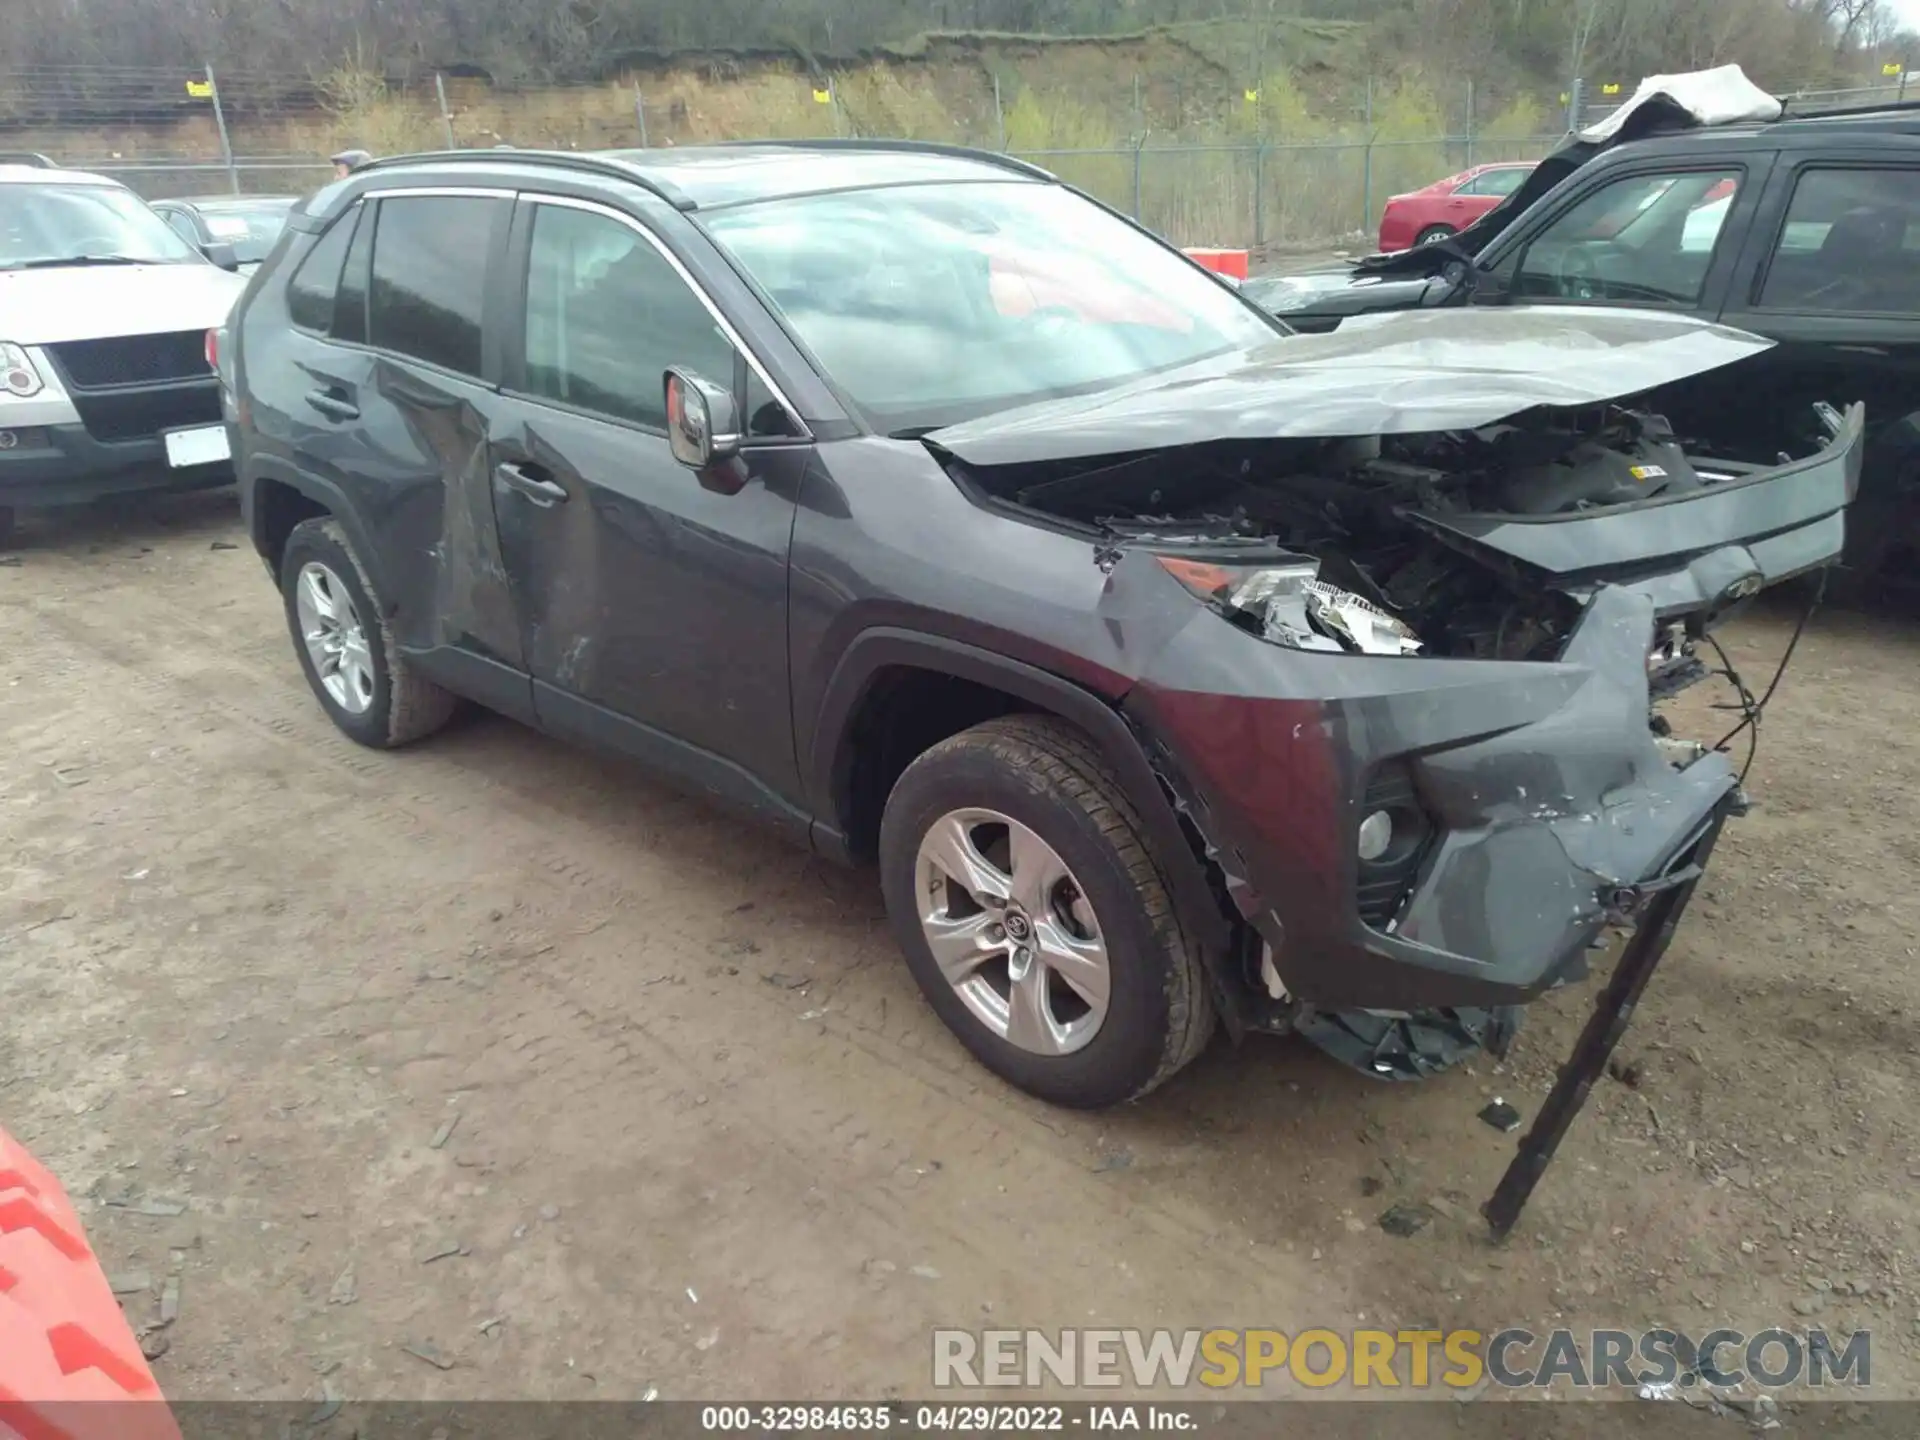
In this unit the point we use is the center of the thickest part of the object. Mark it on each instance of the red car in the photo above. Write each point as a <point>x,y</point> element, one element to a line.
<point>1447,205</point>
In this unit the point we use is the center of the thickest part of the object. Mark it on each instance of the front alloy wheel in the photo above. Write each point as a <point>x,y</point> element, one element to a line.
<point>1034,917</point>
<point>1012,931</point>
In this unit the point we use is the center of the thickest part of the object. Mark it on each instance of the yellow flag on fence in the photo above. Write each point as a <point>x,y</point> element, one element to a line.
<point>200,89</point>
<point>1253,97</point>
<point>1611,88</point>
<point>822,97</point>
<point>1893,67</point>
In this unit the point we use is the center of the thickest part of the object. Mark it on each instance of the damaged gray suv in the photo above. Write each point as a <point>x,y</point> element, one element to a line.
<point>1175,670</point>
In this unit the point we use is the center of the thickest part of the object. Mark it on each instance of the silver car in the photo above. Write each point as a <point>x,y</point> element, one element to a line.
<point>106,382</point>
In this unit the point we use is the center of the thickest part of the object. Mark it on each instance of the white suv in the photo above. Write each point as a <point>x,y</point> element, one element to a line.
<point>105,385</point>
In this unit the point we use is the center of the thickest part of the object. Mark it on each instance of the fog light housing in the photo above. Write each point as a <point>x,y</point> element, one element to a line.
<point>1376,834</point>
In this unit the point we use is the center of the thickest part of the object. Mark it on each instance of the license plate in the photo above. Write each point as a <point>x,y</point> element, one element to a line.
<point>203,445</point>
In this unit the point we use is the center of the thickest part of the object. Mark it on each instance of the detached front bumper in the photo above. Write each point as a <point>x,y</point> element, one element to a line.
<point>1545,795</point>
<point>1549,810</point>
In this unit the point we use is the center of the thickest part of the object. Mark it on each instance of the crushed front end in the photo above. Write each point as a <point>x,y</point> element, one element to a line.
<point>1414,718</point>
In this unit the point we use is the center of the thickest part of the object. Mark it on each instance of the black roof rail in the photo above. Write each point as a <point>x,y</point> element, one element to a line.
<point>1846,112</point>
<point>588,161</point>
<point>920,147</point>
<point>31,158</point>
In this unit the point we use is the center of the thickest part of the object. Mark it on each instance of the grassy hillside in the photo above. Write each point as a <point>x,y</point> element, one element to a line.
<point>1332,146</point>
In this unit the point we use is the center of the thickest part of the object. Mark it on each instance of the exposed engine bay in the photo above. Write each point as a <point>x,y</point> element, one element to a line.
<point>1376,575</point>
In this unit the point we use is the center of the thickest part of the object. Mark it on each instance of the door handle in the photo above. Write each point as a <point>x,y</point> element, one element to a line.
<point>541,492</point>
<point>332,406</point>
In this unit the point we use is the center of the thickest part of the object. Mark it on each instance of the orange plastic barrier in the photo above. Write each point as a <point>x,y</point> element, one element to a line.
<point>70,1368</point>
<point>1224,262</point>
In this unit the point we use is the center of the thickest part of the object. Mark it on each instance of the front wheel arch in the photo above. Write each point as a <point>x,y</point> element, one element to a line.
<point>875,652</point>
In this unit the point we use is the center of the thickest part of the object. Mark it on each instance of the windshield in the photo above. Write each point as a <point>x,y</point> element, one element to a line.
<point>931,304</point>
<point>66,224</point>
<point>249,229</point>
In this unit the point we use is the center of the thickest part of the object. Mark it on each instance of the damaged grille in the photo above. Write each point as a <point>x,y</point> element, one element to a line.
<point>1383,882</point>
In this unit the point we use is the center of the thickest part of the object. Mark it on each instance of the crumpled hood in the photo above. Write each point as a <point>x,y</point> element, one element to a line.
<point>1398,373</point>
<point>92,302</point>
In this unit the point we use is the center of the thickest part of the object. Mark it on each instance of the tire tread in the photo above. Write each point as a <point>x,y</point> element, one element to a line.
<point>1050,754</point>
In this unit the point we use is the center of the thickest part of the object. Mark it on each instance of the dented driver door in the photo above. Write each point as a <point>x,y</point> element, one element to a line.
<point>653,606</point>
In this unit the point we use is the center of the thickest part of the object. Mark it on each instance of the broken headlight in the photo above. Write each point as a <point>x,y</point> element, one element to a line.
<point>1288,603</point>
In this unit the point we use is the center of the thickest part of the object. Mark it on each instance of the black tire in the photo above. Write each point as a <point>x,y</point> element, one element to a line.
<point>1432,233</point>
<point>405,706</point>
<point>1051,778</point>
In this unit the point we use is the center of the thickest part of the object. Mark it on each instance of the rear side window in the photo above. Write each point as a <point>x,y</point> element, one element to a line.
<point>429,278</point>
<point>1851,243</point>
<point>310,292</point>
<point>1494,182</point>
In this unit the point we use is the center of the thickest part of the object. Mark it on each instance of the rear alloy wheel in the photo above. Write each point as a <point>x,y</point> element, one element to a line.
<point>369,689</point>
<point>1034,918</point>
<point>1432,233</point>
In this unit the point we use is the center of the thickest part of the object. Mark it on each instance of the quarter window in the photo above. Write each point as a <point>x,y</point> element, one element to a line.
<point>310,291</point>
<point>607,316</point>
<point>1851,243</point>
<point>1642,240</point>
<point>430,278</point>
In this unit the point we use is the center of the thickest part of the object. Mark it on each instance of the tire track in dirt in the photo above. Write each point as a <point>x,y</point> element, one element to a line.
<point>825,1123</point>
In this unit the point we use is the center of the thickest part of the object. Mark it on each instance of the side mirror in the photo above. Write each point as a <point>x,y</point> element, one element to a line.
<point>221,254</point>
<point>703,423</point>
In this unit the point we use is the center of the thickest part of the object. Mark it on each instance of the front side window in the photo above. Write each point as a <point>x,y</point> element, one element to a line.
<point>182,225</point>
<point>1851,243</point>
<point>48,226</point>
<point>931,304</point>
<point>430,278</point>
<point>607,316</point>
<point>1642,240</point>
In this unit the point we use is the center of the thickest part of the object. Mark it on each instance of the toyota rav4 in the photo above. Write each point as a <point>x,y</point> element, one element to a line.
<point>1173,668</point>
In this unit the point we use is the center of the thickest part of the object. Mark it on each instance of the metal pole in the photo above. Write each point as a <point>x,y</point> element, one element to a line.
<point>220,121</point>
<point>446,115</point>
<point>640,113</point>
<point>1469,124</point>
<point>1139,143</point>
<point>1366,168</point>
<point>1259,193</point>
<point>999,115</point>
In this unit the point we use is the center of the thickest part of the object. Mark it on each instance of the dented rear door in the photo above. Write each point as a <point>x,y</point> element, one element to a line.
<point>400,399</point>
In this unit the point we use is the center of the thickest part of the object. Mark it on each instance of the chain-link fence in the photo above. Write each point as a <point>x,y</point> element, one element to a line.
<point>1198,168</point>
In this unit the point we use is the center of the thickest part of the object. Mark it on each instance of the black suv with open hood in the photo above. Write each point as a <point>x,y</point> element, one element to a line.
<point>1173,668</point>
<point>1803,228</point>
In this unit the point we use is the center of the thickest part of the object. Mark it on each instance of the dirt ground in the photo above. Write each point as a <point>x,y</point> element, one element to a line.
<point>503,1052</point>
